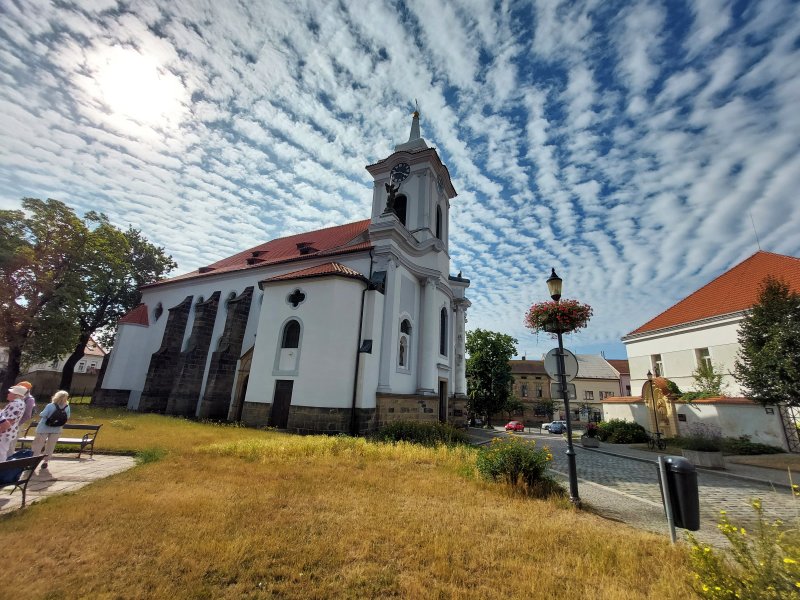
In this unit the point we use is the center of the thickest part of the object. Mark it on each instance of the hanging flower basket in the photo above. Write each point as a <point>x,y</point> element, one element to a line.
<point>554,317</point>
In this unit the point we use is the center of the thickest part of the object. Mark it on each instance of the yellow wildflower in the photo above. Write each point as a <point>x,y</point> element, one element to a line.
<point>789,561</point>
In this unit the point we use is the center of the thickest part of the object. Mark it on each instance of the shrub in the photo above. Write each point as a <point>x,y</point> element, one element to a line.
<point>673,388</point>
<point>516,462</point>
<point>762,563</point>
<point>743,445</point>
<point>617,431</point>
<point>427,434</point>
<point>703,438</point>
<point>591,430</point>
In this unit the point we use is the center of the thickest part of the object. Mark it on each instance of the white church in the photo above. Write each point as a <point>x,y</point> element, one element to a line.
<point>342,329</point>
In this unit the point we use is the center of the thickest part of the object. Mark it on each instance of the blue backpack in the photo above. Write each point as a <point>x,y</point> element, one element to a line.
<point>15,474</point>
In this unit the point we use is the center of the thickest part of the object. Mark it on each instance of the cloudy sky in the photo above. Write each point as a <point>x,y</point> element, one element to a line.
<point>635,146</point>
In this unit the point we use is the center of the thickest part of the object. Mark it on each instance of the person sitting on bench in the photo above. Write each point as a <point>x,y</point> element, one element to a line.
<point>51,422</point>
<point>10,420</point>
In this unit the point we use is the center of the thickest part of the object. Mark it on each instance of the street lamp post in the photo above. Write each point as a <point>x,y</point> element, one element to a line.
<point>554,287</point>
<point>653,398</point>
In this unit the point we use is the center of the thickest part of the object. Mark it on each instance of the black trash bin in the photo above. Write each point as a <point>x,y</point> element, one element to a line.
<point>683,494</point>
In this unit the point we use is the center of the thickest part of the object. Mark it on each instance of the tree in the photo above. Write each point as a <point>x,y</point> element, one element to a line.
<point>62,279</point>
<point>768,365</point>
<point>489,379</point>
<point>513,405</point>
<point>115,264</point>
<point>707,382</point>
<point>38,280</point>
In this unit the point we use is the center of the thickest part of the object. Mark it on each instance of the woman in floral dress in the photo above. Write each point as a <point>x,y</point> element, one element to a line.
<point>10,419</point>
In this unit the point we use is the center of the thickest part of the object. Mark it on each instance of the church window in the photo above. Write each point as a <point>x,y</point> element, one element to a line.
<point>439,222</point>
<point>405,338</point>
<point>443,332</point>
<point>291,335</point>
<point>400,205</point>
<point>295,298</point>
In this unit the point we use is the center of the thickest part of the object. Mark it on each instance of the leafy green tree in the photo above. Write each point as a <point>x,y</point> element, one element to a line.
<point>114,265</point>
<point>707,382</point>
<point>768,366</point>
<point>39,285</point>
<point>513,405</point>
<point>63,279</point>
<point>489,379</point>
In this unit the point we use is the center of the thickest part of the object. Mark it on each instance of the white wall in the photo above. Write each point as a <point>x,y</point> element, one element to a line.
<point>329,317</point>
<point>677,350</point>
<point>736,420</point>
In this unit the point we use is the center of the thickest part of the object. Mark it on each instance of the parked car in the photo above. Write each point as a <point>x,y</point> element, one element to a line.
<point>515,426</point>
<point>558,427</point>
<point>546,426</point>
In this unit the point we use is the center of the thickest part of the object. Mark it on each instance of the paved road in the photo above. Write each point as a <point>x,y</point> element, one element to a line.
<point>628,490</point>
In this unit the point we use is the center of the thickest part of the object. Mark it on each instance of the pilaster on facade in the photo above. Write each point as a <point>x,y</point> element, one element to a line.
<point>429,348</point>
<point>460,306</point>
<point>391,300</point>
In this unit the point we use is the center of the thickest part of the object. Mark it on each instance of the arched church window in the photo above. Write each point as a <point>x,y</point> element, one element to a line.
<point>439,222</point>
<point>400,205</point>
<point>405,339</point>
<point>291,335</point>
<point>443,332</point>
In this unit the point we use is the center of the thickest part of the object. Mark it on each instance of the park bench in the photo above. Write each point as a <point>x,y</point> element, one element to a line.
<point>85,442</point>
<point>28,466</point>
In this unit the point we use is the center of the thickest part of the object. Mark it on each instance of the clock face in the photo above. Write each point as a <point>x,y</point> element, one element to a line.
<point>400,172</point>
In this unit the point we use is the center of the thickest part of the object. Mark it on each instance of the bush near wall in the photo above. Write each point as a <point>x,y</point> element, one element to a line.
<point>617,431</point>
<point>427,434</point>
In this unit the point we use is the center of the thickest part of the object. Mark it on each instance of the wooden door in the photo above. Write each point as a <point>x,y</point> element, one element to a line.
<point>279,416</point>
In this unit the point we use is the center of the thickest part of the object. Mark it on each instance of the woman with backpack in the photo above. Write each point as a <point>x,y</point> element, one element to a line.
<point>51,420</point>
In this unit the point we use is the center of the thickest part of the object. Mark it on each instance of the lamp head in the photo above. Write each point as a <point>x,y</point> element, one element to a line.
<point>554,286</point>
<point>649,376</point>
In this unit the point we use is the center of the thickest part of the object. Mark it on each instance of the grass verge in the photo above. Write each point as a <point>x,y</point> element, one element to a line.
<point>229,512</point>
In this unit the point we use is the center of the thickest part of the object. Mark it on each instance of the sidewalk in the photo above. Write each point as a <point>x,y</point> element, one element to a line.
<point>775,477</point>
<point>65,474</point>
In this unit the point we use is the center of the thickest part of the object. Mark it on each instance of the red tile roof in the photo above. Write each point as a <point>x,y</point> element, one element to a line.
<point>331,268</point>
<point>620,364</point>
<point>331,241</point>
<point>621,400</point>
<point>715,400</point>
<point>733,291</point>
<point>136,316</point>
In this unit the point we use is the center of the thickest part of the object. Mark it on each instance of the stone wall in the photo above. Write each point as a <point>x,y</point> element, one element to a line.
<point>163,362</point>
<point>111,398</point>
<point>192,362</point>
<point>405,407</point>
<point>222,370</point>
<point>255,414</point>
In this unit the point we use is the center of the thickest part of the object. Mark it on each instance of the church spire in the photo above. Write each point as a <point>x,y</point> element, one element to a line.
<point>415,141</point>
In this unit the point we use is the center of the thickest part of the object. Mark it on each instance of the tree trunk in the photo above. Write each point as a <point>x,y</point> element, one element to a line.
<point>69,366</point>
<point>12,372</point>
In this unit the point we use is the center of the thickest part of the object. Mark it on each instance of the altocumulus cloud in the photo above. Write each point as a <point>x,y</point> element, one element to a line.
<point>626,144</point>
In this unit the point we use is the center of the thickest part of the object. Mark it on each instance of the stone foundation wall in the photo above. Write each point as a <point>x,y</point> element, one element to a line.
<point>457,410</point>
<point>111,398</point>
<point>402,407</point>
<point>255,414</point>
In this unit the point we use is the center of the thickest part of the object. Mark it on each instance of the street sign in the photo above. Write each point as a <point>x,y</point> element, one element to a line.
<point>555,391</point>
<point>570,364</point>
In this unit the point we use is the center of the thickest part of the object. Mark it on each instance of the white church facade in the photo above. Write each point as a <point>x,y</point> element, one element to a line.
<point>342,329</point>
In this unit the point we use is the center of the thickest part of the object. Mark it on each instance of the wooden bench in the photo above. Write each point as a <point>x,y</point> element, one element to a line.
<point>83,443</point>
<point>28,466</point>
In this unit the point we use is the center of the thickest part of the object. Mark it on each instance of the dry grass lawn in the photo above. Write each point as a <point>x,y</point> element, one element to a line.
<point>238,513</point>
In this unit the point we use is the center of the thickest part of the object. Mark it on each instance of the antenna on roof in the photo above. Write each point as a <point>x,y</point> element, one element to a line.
<point>754,228</point>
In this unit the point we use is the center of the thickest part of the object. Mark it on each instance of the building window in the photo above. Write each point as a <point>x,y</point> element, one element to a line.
<point>539,390</point>
<point>588,395</point>
<point>291,335</point>
<point>443,332</point>
<point>400,204</point>
<point>524,390</point>
<point>703,358</point>
<point>405,341</point>
<point>658,365</point>
<point>439,222</point>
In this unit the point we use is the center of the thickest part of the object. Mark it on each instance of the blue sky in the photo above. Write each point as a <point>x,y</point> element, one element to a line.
<point>631,145</point>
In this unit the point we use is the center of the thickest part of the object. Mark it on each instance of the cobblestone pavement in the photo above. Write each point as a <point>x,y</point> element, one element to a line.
<point>635,489</point>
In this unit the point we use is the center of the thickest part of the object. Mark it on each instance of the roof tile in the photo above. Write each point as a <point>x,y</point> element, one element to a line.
<point>136,316</point>
<point>735,290</point>
<point>331,268</point>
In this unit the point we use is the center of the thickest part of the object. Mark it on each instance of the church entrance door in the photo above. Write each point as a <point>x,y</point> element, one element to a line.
<point>279,416</point>
<point>442,401</point>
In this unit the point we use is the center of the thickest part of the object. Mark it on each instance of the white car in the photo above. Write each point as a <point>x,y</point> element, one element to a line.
<point>546,426</point>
